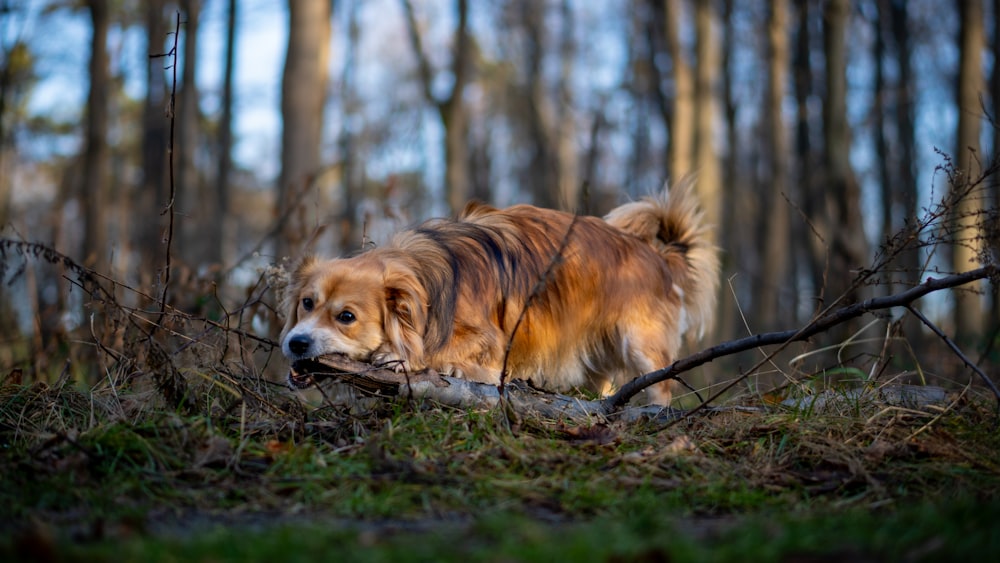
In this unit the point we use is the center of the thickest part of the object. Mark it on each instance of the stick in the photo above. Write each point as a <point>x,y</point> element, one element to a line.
<point>958,352</point>
<point>817,326</point>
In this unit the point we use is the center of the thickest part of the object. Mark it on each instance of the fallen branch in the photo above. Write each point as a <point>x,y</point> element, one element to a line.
<point>526,400</point>
<point>815,327</point>
<point>452,391</point>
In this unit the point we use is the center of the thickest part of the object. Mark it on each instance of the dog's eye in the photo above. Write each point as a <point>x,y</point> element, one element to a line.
<point>346,317</point>
<point>307,303</point>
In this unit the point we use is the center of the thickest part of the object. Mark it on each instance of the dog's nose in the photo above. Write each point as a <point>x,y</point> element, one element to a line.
<point>299,344</point>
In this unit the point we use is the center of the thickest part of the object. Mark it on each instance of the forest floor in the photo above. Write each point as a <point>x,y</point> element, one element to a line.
<point>108,474</point>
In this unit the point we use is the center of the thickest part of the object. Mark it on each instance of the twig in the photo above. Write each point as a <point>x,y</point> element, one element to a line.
<point>308,184</point>
<point>169,209</point>
<point>817,326</point>
<point>535,291</point>
<point>958,352</point>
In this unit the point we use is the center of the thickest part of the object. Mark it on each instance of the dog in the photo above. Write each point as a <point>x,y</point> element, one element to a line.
<point>561,300</point>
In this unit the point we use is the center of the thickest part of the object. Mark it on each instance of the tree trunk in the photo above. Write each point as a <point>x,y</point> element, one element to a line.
<point>732,219</point>
<point>706,113</point>
<point>219,229</point>
<point>883,156</point>
<point>451,109</point>
<point>303,93</point>
<point>455,119</point>
<point>906,194</point>
<point>968,314</point>
<point>813,251</point>
<point>566,148</point>
<point>681,148</point>
<point>350,232</point>
<point>95,157</point>
<point>152,197</point>
<point>994,323</point>
<point>774,276</point>
<point>542,173</point>
<point>842,230</point>
<point>191,214</point>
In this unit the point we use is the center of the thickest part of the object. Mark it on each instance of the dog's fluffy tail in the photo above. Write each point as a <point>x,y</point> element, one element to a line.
<point>673,224</point>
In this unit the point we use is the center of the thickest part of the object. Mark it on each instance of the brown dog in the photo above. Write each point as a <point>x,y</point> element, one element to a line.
<point>603,301</point>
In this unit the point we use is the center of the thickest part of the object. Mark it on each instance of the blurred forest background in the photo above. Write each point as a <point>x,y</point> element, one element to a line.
<point>177,165</point>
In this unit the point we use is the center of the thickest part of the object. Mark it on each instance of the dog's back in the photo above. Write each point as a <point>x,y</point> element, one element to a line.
<point>586,302</point>
<point>565,301</point>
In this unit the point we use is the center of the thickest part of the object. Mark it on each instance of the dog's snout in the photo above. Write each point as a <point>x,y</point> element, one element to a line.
<point>299,344</point>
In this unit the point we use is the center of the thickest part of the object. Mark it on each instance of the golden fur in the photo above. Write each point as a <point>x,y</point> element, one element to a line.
<point>612,305</point>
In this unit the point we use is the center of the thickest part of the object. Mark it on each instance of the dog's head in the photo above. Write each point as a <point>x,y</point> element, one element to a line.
<point>359,307</point>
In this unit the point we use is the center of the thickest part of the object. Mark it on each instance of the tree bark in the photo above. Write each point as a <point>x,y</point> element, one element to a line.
<point>682,126</point>
<point>567,150</point>
<point>806,162</point>
<point>968,313</point>
<point>350,232</point>
<point>303,93</point>
<point>152,197</point>
<point>903,196</point>
<point>995,95</point>
<point>451,109</point>
<point>733,220</point>
<point>95,157</point>
<point>191,213</point>
<point>706,114</point>
<point>772,309</point>
<point>219,229</point>
<point>843,231</point>
<point>542,173</point>
<point>879,115</point>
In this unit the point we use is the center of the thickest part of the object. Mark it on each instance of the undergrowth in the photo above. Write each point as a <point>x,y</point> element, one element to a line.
<point>154,431</point>
<point>84,470</point>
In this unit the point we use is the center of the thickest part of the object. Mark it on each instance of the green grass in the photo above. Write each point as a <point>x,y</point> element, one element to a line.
<point>85,477</point>
<point>956,530</point>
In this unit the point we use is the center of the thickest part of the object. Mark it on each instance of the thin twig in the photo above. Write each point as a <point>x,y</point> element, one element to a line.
<point>958,352</point>
<point>169,209</point>
<point>535,291</point>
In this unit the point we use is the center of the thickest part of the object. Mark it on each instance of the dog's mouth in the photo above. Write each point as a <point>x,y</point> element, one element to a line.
<point>309,371</point>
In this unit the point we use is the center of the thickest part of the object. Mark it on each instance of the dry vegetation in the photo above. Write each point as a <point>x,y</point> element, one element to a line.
<point>150,422</point>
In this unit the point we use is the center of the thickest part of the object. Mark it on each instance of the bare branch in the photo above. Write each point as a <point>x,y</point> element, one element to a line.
<point>379,380</point>
<point>459,61</point>
<point>535,291</point>
<point>958,352</point>
<point>169,209</point>
<point>416,42</point>
<point>817,326</point>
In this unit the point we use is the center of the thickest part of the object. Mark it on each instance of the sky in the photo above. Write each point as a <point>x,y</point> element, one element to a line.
<point>61,41</point>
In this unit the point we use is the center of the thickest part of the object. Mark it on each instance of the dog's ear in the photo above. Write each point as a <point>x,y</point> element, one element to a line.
<point>293,291</point>
<point>405,313</point>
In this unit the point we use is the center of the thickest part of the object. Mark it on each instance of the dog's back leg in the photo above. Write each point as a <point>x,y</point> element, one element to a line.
<point>649,347</point>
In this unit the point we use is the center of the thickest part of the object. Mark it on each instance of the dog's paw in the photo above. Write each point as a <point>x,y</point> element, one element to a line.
<point>390,360</point>
<point>472,372</point>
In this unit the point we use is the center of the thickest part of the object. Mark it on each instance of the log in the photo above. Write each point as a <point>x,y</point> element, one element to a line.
<point>429,384</point>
